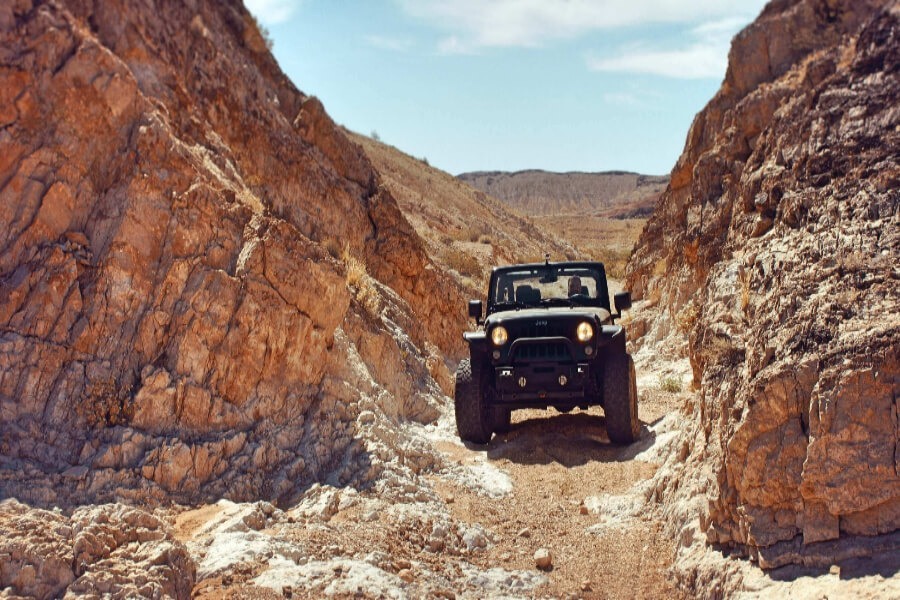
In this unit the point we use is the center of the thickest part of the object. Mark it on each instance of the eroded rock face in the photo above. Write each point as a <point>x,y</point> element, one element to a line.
<point>171,323</point>
<point>776,247</point>
<point>109,550</point>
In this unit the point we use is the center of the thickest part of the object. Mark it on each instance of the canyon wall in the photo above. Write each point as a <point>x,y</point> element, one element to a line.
<point>775,248</point>
<point>203,283</point>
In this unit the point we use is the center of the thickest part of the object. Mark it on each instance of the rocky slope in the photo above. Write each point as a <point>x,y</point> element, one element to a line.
<point>775,246</point>
<point>173,322</point>
<point>614,194</point>
<point>464,229</point>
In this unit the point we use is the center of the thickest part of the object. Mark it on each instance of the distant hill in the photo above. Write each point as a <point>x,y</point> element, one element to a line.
<point>612,194</point>
<point>463,228</point>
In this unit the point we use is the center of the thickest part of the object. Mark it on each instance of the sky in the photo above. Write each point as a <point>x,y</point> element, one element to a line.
<point>482,85</point>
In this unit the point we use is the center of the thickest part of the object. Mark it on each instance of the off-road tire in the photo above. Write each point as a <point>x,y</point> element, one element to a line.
<point>502,419</point>
<point>620,400</point>
<point>473,417</point>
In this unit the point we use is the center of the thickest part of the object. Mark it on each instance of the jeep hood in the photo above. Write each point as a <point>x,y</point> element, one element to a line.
<point>553,312</point>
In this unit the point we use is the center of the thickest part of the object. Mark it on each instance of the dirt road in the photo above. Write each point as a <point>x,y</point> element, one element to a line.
<point>466,523</point>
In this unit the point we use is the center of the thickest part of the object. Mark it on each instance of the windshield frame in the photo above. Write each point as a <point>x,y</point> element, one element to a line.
<point>508,275</point>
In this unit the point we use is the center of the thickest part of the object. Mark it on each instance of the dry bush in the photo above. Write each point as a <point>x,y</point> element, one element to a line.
<point>355,268</point>
<point>670,384</point>
<point>263,33</point>
<point>361,284</point>
<point>368,297</point>
<point>744,278</point>
<point>463,263</point>
<point>687,317</point>
<point>473,233</point>
<point>659,269</point>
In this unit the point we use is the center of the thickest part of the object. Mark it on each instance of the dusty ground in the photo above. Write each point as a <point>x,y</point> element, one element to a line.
<point>557,462</point>
<point>470,529</point>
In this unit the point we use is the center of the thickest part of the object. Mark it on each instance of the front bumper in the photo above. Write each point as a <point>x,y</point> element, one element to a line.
<point>542,384</point>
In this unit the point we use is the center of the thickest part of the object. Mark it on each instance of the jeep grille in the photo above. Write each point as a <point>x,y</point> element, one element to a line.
<point>540,351</point>
<point>547,328</point>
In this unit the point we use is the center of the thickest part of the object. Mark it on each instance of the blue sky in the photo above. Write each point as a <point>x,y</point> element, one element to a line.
<point>561,85</point>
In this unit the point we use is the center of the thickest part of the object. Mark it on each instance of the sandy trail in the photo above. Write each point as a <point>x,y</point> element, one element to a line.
<point>563,467</point>
<point>468,529</point>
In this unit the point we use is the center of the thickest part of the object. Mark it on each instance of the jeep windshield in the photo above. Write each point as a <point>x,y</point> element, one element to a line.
<point>561,284</point>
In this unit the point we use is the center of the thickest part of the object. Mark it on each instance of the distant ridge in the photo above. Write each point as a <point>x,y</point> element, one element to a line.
<point>613,194</point>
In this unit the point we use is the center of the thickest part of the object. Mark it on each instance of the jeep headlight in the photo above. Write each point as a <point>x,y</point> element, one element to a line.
<point>584,332</point>
<point>499,335</point>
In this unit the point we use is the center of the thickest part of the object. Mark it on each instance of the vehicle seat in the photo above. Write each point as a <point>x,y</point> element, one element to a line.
<point>527,294</point>
<point>523,292</point>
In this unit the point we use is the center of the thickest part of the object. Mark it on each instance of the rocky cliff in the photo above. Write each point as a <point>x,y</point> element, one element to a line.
<point>205,291</point>
<point>775,246</point>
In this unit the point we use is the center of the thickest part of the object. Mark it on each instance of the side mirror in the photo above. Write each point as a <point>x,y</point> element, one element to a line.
<point>475,310</point>
<point>622,300</point>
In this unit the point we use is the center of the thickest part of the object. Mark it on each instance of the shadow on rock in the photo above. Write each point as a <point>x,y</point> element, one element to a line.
<point>851,557</point>
<point>567,439</point>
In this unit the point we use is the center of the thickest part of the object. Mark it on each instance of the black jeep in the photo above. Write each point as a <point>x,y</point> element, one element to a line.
<point>549,339</point>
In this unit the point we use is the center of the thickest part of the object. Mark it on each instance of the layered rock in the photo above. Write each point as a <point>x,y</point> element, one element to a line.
<point>776,248</point>
<point>171,323</point>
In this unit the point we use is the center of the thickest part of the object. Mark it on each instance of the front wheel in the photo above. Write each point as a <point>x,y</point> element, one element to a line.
<point>502,420</point>
<point>620,400</point>
<point>473,418</point>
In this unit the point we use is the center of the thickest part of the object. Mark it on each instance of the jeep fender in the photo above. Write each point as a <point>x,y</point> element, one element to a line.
<point>612,339</point>
<point>478,346</point>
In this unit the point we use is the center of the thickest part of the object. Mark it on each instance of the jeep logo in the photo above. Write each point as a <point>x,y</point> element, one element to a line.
<point>540,323</point>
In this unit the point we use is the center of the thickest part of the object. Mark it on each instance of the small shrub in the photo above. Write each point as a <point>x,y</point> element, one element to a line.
<point>687,317</point>
<point>375,136</point>
<point>355,268</point>
<point>475,233</point>
<point>659,268</point>
<point>463,263</point>
<point>263,33</point>
<point>368,297</point>
<point>361,284</point>
<point>670,384</point>
<point>744,280</point>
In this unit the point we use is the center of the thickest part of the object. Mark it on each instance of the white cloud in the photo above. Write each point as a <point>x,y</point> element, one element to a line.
<point>472,24</point>
<point>272,12</point>
<point>705,56</point>
<point>694,62</point>
<point>389,43</point>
